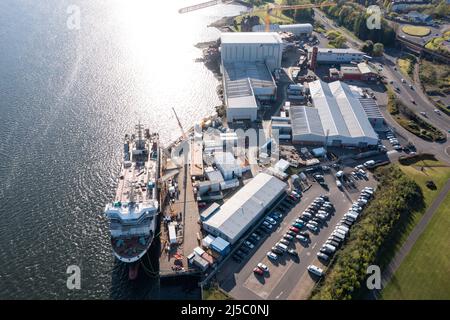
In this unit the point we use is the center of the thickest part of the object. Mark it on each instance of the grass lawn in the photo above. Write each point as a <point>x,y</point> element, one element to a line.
<point>424,272</point>
<point>215,294</point>
<point>439,175</point>
<point>406,65</point>
<point>436,44</point>
<point>416,31</point>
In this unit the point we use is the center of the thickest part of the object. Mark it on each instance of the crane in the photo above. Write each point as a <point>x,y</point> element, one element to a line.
<point>179,124</point>
<point>268,9</point>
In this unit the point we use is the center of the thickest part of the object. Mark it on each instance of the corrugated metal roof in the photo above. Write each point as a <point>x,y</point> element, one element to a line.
<point>339,110</point>
<point>371,108</point>
<point>236,215</point>
<point>305,120</point>
<point>250,37</point>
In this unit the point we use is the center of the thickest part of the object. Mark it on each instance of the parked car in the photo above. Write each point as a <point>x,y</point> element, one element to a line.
<point>288,237</point>
<point>322,256</point>
<point>315,270</point>
<point>270,220</point>
<point>249,244</point>
<point>294,229</point>
<point>263,267</point>
<point>256,237</point>
<point>304,233</point>
<point>313,228</point>
<point>339,184</point>
<point>285,242</point>
<point>292,252</point>
<point>291,233</point>
<point>302,238</point>
<point>298,225</point>
<point>258,271</point>
<point>267,225</point>
<point>272,255</point>
<point>277,251</point>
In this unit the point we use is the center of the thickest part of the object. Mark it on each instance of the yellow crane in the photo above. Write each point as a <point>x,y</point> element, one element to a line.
<point>268,9</point>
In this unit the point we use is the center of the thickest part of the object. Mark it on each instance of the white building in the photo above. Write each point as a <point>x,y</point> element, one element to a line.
<point>248,58</point>
<point>242,210</point>
<point>228,165</point>
<point>326,55</point>
<point>266,47</point>
<point>300,30</point>
<point>337,119</point>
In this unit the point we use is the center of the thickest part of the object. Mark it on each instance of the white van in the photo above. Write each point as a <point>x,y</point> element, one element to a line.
<point>338,235</point>
<point>337,230</point>
<point>330,247</point>
<point>282,247</point>
<point>315,270</point>
<point>343,228</point>
<point>369,163</point>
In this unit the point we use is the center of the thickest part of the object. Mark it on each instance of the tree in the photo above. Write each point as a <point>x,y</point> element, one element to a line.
<point>367,47</point>
<point>378,49</point>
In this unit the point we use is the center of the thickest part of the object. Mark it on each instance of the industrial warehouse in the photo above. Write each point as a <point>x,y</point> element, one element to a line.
<point>247,60</point>
<point>240,212</point>
<point>299,30</point>
<point>337,118</point>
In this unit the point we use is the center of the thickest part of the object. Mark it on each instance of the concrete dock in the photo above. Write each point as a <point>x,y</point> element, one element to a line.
<point>185,211</point>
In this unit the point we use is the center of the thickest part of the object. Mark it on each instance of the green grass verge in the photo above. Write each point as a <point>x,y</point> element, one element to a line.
<point>406,65</point>
<point>409,120</point>
<point>424,272</point>
<point>396,198</point>
<point>215,293</point>
<point>436,44</point>
<point>433,170</point>
<point>435,78</point>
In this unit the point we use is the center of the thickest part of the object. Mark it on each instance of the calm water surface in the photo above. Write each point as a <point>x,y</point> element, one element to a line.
<point>67,99</point>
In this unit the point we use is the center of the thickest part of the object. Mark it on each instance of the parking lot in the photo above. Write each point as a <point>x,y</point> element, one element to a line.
<point>287,277</point>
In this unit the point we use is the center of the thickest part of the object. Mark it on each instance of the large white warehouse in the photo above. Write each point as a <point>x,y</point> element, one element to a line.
<point>264,47</point>
<point>241,211</point>
<point>300,29</point>
<point>337,112</point>
<point>247,61</point>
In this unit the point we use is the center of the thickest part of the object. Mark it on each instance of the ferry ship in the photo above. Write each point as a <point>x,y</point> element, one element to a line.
<point>133,213</point>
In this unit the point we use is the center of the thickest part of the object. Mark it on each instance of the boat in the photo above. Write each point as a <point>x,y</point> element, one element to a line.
<point>133,213</point>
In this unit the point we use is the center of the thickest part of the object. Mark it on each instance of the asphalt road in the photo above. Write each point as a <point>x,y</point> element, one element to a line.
<point>406,95</point>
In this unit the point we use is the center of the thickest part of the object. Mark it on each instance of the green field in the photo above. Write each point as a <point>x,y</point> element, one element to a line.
<point>416,31</point>
<point>424,272</point>
<point>406,65</point>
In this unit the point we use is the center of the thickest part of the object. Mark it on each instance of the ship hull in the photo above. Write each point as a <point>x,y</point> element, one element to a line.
<point>135,258</point>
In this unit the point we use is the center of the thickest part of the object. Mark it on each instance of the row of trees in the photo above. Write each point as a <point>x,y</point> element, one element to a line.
<point>354,18</point>
<point>373,49</point>
<point>299,15</point>
<point>397,196</point>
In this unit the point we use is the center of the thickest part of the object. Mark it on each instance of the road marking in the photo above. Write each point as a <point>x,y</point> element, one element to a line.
<point>314,246</point>
<point>278,296</point>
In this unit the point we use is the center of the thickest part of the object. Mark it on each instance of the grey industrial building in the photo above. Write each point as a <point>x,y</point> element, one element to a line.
<point>244,208</point>
<point>337,118</point>
<point>247,62</point>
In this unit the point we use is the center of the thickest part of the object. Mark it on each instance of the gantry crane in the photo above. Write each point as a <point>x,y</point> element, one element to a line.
<point>268,9</point>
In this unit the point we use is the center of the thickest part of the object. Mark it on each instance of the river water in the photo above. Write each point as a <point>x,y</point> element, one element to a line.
<point>68,96</point>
